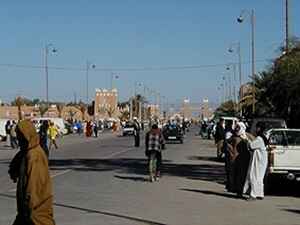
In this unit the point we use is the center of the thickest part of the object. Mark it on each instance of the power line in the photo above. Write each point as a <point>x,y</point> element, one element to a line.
<point>132,69</point>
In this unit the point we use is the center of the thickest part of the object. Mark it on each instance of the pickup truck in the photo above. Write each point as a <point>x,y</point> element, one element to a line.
<point>283,153</point>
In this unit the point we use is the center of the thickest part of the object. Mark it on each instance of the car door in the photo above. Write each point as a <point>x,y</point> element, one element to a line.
<point>287,155</point>
<point>279,146</point>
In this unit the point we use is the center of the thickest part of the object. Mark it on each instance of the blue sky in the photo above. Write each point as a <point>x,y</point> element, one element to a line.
<point>133,34</point>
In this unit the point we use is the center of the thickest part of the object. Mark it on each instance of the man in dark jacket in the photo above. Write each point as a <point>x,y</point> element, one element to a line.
<point>154,143</point>
<point>220,137</point>
<point>137,129</point>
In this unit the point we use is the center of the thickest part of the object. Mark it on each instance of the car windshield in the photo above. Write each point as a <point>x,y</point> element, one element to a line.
<point>277,138</point>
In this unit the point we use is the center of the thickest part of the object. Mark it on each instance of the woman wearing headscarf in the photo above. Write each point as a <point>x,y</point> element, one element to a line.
<point>29,168</point>
<point>43,132</point>
<point>258,164</point>
<point>239,158</point>
<point>89,129</point>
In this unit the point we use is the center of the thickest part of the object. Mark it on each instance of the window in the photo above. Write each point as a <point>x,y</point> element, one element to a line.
<point>277,138</point>
<point>293,137</point>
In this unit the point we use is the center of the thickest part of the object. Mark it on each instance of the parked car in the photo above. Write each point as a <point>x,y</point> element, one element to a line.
<point>269,123</point>
<point>173,133</point>
<point>283,154</point>
<point>2,129</point>
<point>59,122</point>
<point>128,129</point>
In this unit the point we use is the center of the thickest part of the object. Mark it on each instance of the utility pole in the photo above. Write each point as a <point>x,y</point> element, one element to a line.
<point>46,72</point>
<point>87,82</point>
<point>75,98</point>
<point>287,38</point>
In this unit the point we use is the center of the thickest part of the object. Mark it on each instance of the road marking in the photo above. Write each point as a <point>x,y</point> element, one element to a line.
<point>52,176</point>
<point>116,153</point>
<point>61,173</point>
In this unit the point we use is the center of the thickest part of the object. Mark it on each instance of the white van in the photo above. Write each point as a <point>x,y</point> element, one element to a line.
<point>2,128</point>
<point>59,122</point>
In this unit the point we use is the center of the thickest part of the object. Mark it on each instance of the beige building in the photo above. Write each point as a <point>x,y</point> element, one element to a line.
<point>186,110</point>
<point>206,111</point>
<point>106,104</point>
<point>152,111</point>
<point>66,112</point>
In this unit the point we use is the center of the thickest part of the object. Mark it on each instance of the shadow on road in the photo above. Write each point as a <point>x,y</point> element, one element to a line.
<point>297,211</point>
<point>133,178</point>
<point>207,192</point>
<point>204,158</point>
<point>106,213</point>
<point>138,166</point>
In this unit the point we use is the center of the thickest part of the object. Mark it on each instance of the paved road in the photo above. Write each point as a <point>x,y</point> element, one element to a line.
<point>104,181</point>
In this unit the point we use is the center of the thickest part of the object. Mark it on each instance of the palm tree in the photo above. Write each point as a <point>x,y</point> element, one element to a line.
<point>19,103</point>
<point>60,108</point>
<point>71,114</point>
<point>82,109</point>
<point>110,111</point>
<point>43,109</point>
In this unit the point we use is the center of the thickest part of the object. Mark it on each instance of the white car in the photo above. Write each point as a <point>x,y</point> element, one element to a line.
<point>2,128</point>
<point>128,129</point>
<point>59,122</point>
<point>284,153</point>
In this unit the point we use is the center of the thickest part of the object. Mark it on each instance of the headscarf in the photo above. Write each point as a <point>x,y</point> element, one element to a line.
<point>242,131</point>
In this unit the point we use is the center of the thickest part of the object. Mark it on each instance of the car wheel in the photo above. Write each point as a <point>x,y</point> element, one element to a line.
<point>181,141</point>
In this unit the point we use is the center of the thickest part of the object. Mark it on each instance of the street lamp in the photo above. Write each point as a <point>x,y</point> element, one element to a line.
<point>240,19</point>
<point>136,85</point>
<point>233,65</point>
<point>89,66</point>
<point>236,47</point>
<point>48,48</point>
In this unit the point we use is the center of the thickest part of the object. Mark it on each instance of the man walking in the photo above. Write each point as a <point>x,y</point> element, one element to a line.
<point>154,143</point>
<point>137,129</point>
<point>13,135</point>
<point>44,136</point>
<point>29,168</point>
<point>220,137</point>
<point>7,131</point>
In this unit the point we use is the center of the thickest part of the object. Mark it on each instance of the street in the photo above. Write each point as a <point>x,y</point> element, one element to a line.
<point>105,181</point>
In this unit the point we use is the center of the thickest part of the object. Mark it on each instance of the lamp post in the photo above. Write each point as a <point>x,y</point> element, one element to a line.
<point>48,48</point>
<point>287,32</point>
<point>233,65</point>
<point>224,88</point>
<point>238,50</point>
<point>240,19</point>
<point>89,66</point>
<point>136,85</point>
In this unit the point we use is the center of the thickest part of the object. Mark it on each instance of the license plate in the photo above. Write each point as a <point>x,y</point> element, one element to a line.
<point>172,138</point>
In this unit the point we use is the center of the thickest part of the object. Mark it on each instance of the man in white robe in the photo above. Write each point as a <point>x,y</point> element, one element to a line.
<point>257,166</point>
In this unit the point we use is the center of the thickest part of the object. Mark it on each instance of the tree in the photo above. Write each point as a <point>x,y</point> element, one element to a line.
<point>125,115</point>
<point>60,108</point>
<point>82,109</point>
<point>71,114</point>
<point>110,111</point>
<point>228,108</point>
<point>278,88</point>
<point>43,109</point>
<point>19,102</point>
